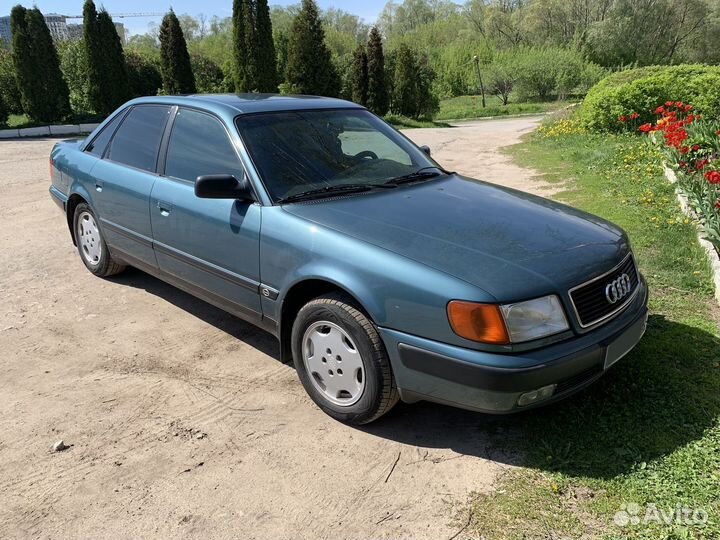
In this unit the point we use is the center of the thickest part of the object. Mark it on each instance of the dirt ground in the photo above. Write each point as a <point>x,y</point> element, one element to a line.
<point>181,420</point>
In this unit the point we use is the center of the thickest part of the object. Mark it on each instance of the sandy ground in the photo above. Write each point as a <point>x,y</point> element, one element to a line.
<point>181,420</point>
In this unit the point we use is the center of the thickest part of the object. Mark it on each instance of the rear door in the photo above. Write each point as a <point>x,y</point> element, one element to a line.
<point>211,244</point>
<point>123,180</point>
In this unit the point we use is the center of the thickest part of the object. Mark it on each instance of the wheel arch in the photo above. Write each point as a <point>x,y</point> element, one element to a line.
<point>72,203</point>
<point>299,294</point>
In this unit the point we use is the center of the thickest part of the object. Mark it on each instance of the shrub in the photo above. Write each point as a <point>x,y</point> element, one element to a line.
<point>8,86</point>
<point>143,74</point>
<point>412,82</point>
<point>643,90</point>
<point>74,66</point>
<point>209,77</point>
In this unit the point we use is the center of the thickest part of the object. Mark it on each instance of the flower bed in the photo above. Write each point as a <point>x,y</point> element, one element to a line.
<point>691,146</point>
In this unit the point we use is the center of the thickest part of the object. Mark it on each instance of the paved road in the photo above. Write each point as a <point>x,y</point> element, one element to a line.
<point>182,421</point>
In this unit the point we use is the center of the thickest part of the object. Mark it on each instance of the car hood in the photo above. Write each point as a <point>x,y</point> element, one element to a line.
<point>511,244</point>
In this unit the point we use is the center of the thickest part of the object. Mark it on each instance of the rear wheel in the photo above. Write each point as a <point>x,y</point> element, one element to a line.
<point>91,245</point>
<point>341,360</point>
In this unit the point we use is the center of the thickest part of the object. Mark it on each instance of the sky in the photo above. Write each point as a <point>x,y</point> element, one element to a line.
<point>367,9</point>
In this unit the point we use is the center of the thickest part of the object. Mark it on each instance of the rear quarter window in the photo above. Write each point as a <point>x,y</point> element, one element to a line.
<point>137,140</point>
<point>100,142</point>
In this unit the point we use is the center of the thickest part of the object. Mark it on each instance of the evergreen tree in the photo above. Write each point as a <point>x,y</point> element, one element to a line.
<point>310,69</point>
<point>405,91</point>
<point>241,54</point>
<point>359,76</point>
<point>115,82</point>
<point>176,71</point>
<point>377,98</point>
<point>43,91</point>
<point>94,57</point>
<point>266,60</point>
<point>3,110</point>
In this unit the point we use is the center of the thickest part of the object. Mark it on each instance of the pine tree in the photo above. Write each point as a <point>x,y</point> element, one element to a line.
<point>44,93</point>
<point>241,54</point>
<point>116,84</point>
<point>377,99</point>
<point>310,69</point>
<point>359,76</point>
<point>405,91</point>
<point>266,60</point>
<point>94,55</point>
<point>3,110</point>
<point>176,71</point>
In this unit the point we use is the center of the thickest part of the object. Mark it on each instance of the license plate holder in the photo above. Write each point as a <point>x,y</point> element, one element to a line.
<point>625,343</point>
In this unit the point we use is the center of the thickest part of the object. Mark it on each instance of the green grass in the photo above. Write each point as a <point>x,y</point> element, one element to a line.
<point>471,107</point>
<point>647,432</point>
<point>403,122</point>
<point>19,121</point>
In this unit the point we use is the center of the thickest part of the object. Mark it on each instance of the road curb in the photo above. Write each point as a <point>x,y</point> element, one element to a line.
<point>710,251</point>
<point>47,131</point>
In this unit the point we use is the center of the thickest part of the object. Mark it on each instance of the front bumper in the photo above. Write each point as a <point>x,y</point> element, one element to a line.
<point>471,379</point>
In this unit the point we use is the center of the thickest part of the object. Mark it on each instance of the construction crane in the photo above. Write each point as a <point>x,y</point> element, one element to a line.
<point>122,15</point>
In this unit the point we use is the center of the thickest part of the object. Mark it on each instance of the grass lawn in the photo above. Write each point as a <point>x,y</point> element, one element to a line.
<point>471,107</point>
<point>648,432</point>
<point>403,122</point>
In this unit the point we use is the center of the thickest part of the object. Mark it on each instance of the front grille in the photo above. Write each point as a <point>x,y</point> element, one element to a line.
<point>590,300</point>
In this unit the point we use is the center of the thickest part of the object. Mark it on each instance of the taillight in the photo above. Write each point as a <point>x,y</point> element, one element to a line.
<point>51,166</point>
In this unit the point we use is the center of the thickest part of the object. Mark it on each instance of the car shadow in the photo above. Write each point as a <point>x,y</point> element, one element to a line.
<point>664,395</point>
<point>231,325</point>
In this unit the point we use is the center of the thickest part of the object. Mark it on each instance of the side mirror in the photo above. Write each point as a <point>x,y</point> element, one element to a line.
<point>425,148</point>
<point>223,186</point>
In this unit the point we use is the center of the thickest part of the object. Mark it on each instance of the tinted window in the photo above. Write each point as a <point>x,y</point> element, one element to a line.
<point>137,140</point>
<point>97,146</point>
<point>297,151</point>
<point>200,145</point>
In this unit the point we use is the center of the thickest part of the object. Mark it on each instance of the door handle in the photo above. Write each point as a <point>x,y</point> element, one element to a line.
<point>98,186</point>
<point>164,208</point>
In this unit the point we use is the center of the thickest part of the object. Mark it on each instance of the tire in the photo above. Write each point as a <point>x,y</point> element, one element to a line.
<point>91,245</point>
<point>324,320</point>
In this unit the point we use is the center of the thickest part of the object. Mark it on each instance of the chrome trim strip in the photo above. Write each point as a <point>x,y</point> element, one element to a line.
<point>232,277</point>
<point>606,274</point>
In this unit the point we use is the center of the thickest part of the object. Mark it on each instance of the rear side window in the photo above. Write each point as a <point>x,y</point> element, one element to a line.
<point>137,140</point>
<point>97,146</point>
<point>199,145</point>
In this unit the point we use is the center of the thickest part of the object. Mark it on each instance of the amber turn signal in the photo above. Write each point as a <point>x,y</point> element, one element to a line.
<point>478,322</point>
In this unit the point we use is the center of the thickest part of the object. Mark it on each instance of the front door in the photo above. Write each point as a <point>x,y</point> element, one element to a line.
<point>210,244</point>
<point>124,179</point>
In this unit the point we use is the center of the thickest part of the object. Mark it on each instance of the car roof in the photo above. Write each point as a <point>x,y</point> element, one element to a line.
<point>238,104</point>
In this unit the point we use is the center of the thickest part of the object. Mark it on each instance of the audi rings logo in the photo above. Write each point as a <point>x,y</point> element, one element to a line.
<point>618,289</point>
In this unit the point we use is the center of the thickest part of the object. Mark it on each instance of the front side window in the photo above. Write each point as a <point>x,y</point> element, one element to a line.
<point>137,140</point>
<point>298,151</point>
<point>199,145</point>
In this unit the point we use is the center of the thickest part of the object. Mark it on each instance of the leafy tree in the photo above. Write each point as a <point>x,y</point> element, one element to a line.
<point>309,68</point>
<point>266,61</point>
<point>8,84</point>
<point>360,76</point>
<point>209,77</point>
<point>143,74</point>
<point>176,70</point>
<point>377,94</point>
<point>43,91</point>
<point>74,65</point>
<point>107,73</point>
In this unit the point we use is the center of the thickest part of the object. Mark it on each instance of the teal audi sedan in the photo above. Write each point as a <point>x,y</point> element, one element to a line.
<point>384,276</point>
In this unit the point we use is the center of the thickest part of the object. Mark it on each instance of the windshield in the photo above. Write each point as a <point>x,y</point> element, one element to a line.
<point>299,151</point>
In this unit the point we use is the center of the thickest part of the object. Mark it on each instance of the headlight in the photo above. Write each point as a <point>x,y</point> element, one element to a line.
<point>535,318</point>
<point>509,323</point>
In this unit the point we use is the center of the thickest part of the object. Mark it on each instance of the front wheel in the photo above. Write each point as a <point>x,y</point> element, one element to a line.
<point>341,360</point>
<point>91,245</point>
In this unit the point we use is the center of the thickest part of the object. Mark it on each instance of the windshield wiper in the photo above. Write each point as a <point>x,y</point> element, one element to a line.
<point>331,190</point>
<point>420,174</point>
